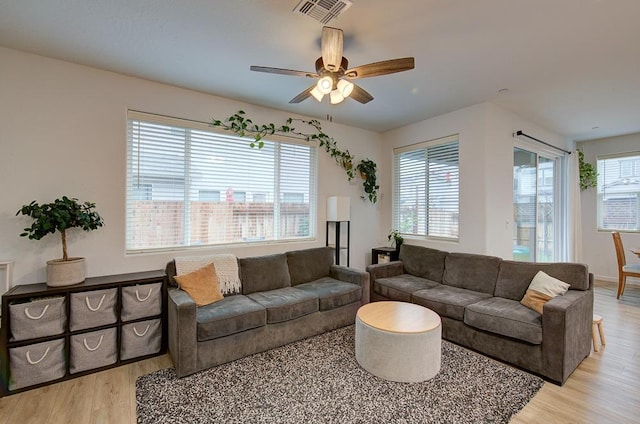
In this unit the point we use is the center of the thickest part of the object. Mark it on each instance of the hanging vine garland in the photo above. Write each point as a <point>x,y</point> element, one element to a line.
<point>243,127</point>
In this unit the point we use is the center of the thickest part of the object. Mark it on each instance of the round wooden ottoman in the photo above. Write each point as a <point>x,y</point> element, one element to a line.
<point>398,341</point>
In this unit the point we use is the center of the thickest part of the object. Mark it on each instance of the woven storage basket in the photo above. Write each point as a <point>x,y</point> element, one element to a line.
<point>92,309</point>
<point>36,363</point>
<point>141,301</point>
<point>93,350</point>
<point>38,318</point>
<point>140,338</point>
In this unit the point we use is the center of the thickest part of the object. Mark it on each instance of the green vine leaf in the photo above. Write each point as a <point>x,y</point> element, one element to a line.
<point>242,127</point>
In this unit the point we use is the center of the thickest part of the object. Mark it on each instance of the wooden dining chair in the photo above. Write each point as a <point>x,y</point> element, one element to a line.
<point>624,270</point>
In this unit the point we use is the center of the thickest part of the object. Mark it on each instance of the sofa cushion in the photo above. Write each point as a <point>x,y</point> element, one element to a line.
<point>401,286</point>
<point>514,277</point>
<point>230,315</point>
<point>447,301</point>
<point>286,304</point>
<point>423,261</point>
<point>472,272</point>
<point>505,317</point>
<point>262,273</point>
<point>332,293</point>
<point>309,264</point>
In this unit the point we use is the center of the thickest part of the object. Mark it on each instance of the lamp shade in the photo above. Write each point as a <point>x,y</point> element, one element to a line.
<point>338,208</point>
<point>316,94</point>
<point>325,84</point>
<point>336,97</point>
<point>345,87</point>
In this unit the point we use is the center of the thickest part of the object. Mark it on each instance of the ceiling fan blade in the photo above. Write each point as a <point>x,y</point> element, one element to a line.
<point>302,96</point>
<point>381,68</point>
<point>359,94</point>
<point>332,42</point>
<point>283,71</point>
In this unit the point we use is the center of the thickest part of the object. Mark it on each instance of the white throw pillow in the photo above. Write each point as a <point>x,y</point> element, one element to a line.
<point>543,288</point>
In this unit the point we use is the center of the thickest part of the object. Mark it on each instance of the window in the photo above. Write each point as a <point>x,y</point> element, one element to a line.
<point>619,192</point>
<point>188,185</point>
<point>426,189</point>
<point>536,207</point>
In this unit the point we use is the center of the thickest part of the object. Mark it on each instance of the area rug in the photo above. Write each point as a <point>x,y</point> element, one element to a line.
<point>318,380</point>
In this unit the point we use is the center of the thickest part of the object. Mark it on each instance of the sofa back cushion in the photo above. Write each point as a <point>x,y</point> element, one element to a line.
<point>423,261</point>
<point>309,264</point>
<point>262,273</point>
<point>472,272</point>
<point>514,277</point>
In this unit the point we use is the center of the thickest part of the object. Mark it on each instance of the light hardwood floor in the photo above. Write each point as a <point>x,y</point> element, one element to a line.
<point>604,389</point>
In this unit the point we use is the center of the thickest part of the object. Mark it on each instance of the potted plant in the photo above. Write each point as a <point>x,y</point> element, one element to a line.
<point>395,237</point>
<point>588,173</point>
<point>61,215</point>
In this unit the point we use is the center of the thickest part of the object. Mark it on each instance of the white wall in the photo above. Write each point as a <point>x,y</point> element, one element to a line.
<point>597,246</point>
<point>63,132</point>
<point>486,173</point>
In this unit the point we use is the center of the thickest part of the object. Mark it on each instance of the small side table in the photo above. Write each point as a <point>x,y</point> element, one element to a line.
<point>383,254</point>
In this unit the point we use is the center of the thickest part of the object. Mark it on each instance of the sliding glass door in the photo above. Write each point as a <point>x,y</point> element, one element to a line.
<point>536,206</point>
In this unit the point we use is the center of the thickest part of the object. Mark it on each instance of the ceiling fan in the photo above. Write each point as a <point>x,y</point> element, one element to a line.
<point>334,75</point>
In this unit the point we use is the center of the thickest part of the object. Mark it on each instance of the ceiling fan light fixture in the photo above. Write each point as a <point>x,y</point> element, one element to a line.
<point>325,84</point>
<point>336,97</point>
<point>316,94</point>
<point>345,87</point>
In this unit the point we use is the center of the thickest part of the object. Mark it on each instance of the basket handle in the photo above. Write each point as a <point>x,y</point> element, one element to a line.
<point>145,331</point>
<point>146,298</point>
<point>44,311</point>
<point>39,360</point>
<point>97,346</point>
<point>99,303</point>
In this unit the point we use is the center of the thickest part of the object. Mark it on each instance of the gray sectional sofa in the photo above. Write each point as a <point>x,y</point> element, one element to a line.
<point>285,297</point>
<point>478,298</point>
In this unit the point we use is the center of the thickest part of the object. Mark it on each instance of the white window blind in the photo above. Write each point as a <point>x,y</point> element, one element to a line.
<point>619,192</point>
<point>188,185</point>
<point>426,188</point>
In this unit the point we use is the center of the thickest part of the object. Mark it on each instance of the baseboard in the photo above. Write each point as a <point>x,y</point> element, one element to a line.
<point>606,278</point>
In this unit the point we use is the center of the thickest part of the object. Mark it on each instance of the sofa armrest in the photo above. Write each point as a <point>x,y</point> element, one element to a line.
<point>352,275</point>
<point>389,269</point>
<point>566,332</point>
<point>183,342</point>
<point>385,270</point>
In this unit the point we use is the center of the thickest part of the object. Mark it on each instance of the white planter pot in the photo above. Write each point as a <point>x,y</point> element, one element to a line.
<point>66,273</point>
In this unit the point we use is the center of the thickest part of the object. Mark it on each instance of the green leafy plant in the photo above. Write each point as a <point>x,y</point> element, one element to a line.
<point>244,127</point>
<point>61,215</point>
<point>396,238</point>
<point>588,173</point>
<point>367,169</point>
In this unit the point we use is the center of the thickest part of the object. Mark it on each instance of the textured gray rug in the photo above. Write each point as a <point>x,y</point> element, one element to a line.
<point>318,380</point>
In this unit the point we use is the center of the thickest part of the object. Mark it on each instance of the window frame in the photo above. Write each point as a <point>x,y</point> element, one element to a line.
<point>276,191</point>
<point>417,147</point>
<point>626,158</point>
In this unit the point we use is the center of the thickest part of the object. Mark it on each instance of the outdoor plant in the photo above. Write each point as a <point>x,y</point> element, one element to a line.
<point>61,215</point>
<point>244,127</point>
<point>588,173</point>
<point>396,238</point>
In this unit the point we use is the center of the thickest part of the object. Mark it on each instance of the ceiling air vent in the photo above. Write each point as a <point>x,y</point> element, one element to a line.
<point>322,10</point>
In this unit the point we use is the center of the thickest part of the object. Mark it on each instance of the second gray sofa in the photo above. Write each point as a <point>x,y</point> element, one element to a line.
<point>478,299</point>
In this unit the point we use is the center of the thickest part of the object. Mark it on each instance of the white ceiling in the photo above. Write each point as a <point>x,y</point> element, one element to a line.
<point>569,65</point>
